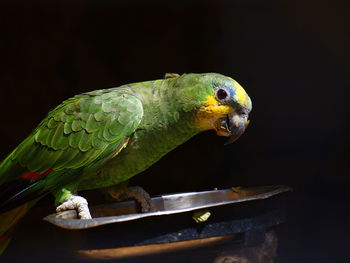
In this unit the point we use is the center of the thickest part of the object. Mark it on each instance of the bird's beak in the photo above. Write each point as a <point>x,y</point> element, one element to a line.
<point>232,125</point>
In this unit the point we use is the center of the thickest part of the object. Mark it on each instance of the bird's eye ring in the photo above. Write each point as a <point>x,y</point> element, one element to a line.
<point>221,94</point>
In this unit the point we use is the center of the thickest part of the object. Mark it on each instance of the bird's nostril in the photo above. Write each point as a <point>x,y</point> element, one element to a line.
<point>242,111</point>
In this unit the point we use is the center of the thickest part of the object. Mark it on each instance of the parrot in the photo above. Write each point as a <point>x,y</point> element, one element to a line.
<point>104,137</point>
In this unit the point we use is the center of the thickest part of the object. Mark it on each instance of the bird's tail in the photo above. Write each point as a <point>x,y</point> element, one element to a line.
<point>8,220</point>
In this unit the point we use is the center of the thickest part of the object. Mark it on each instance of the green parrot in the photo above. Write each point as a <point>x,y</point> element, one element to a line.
<point>104,137</point>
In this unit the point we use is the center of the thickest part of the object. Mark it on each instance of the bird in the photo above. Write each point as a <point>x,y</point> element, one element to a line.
<point>104,137</point>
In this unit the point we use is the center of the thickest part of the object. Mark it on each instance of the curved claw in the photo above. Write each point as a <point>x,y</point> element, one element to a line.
<point>136,193</point>
<point>77,203</point>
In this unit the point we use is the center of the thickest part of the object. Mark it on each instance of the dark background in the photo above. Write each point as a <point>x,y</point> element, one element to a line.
<point>292,57</point>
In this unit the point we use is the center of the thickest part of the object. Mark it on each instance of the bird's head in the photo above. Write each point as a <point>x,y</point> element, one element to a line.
<point>220,103</point>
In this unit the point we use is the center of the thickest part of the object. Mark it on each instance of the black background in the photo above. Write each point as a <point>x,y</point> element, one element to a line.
<point>292,57</point>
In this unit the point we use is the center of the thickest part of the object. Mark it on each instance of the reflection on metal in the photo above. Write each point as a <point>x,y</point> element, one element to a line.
<point>163,205</point>
<point>144,250</point>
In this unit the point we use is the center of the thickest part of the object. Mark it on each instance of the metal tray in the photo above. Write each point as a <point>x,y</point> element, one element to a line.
<point>163,205</point>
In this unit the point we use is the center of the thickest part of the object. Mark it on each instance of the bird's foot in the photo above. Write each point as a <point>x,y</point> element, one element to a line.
<point>77,203</point>
<point>136,193</point>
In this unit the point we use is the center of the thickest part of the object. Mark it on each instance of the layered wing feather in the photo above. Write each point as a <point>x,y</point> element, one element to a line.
<point>78,132</point>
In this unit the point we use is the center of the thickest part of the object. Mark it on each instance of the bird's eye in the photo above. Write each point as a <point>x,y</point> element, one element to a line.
<point>221,94</point>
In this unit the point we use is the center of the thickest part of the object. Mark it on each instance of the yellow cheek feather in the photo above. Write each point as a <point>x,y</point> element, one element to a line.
<point>241,95</point>
<point>210,112</point>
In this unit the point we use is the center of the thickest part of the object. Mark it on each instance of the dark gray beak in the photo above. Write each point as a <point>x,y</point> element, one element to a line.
<point>232,125</point>
<point>237,126</point>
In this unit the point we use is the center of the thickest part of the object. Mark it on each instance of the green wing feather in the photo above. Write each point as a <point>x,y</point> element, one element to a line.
<point>78,132</point>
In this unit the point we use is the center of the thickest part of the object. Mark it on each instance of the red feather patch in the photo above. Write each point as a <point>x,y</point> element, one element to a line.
<point>34,175</point>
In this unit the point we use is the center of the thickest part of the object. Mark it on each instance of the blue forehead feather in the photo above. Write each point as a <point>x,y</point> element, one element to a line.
<point>230,88</point>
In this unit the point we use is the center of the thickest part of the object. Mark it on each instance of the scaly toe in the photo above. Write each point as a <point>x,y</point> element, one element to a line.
<point>77,203</point>
<point>136,193</point>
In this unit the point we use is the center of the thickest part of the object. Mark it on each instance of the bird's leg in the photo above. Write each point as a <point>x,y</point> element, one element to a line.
<point>68,201</point>
<point>136,193</point>
<point>77,203</point>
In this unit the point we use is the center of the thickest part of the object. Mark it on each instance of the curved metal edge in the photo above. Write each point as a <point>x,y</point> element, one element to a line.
<point>76,224</point>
